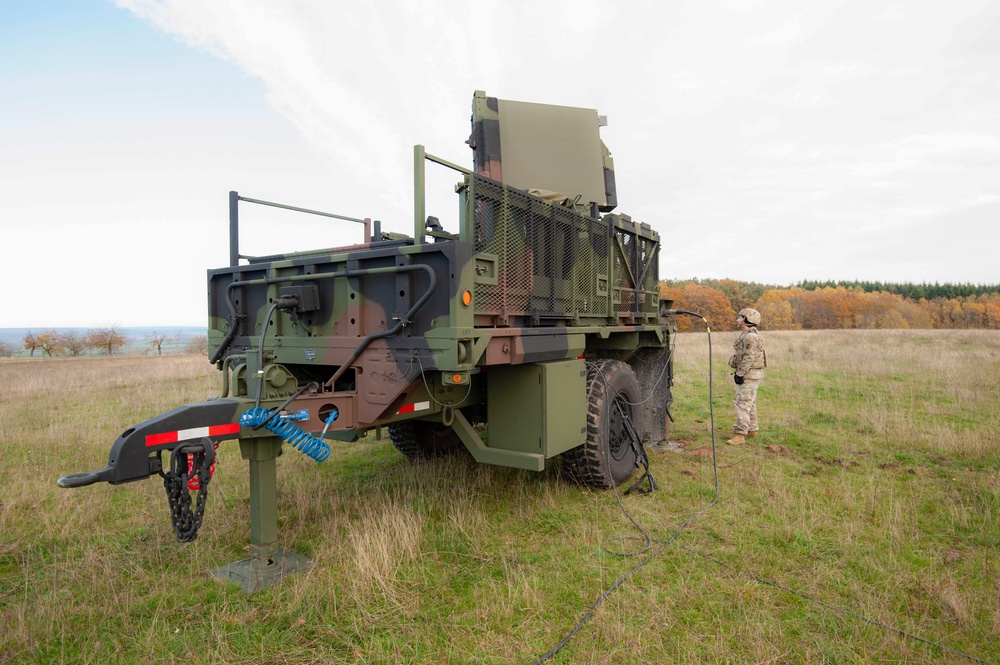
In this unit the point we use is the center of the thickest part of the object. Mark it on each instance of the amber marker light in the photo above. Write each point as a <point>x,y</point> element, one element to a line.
<point>466,298</point>
<point>456,378</point>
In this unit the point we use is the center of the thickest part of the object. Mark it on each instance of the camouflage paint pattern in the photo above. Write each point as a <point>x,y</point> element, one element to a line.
<point>401,328</point>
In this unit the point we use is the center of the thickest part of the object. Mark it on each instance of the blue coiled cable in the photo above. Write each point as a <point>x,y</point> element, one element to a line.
<point>305,442</point>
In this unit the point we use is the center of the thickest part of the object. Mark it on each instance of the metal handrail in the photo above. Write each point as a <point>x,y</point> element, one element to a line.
<point>234,221</point>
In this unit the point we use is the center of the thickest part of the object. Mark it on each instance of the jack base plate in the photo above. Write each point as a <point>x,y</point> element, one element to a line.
<point>264,567</point>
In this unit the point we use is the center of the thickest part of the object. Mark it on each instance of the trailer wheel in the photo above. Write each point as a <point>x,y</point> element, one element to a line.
<point>417,439</point>
<point>607,457</point>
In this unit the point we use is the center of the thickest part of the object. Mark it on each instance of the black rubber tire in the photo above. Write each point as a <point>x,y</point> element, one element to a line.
<point>607,458</point>
<point>417,439</point>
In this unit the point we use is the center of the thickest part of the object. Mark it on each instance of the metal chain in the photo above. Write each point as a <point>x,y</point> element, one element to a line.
<point>186,521</point>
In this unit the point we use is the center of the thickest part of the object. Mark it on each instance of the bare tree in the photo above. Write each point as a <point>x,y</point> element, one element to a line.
<point>198,344</point>
<point>156,340</point>
<point>107,339</point>
<point>6,350</point>
<point>73,343</point>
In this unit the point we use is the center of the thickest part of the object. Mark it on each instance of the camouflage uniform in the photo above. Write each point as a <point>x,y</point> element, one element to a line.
<point>749,360</point>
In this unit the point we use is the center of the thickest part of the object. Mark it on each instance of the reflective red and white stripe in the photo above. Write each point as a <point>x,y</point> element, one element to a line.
<point>412,408</point>
<point>189,434</point>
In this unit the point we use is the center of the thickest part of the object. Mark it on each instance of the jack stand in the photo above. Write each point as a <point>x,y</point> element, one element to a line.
<point>267,564</point>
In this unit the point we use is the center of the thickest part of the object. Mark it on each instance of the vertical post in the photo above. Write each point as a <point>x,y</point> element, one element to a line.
<point>610,259</point>
<point>234,229</point>
<point>263,502</point>
<point>267,564</point>
<point>262,454</point>
<point>419,209</point>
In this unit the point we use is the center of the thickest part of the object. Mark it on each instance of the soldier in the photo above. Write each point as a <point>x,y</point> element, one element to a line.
<point>749,361</point>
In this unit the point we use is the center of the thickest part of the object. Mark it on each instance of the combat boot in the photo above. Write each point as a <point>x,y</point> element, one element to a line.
<point>738,439</point>
<point>752,434</point>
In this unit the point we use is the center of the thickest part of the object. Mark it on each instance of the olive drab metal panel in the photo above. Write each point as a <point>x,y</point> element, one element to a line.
<point>544,146</point>
<point>552,147</point>
<point>541,262</point>
<point>546,398</point>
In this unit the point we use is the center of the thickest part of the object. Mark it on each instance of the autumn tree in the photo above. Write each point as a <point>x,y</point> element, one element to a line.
<point>30,343</point>
<point>49,342</point>
<point>107,339</point>
<point>741,294</point>
<point>843,305</point>
<point>776,311</point>
<point>993,315</point>
<point>709,302</point>
<point>828,308</point>
<point>915,314</point>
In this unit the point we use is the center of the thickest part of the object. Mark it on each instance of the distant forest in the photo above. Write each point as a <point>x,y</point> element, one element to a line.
<point>816,305</point>
<point>907,290</point>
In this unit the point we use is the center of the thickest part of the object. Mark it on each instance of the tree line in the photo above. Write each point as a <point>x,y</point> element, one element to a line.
<point>831,306</point>
<point>924,290</point>
<point>107,341</point>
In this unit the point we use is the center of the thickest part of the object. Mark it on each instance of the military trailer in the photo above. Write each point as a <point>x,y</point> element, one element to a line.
<point>532,332</point>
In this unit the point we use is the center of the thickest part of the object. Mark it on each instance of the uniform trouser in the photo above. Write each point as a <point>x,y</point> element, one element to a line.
<point>746,406</point>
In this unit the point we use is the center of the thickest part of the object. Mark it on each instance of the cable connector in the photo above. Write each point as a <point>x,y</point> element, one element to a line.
<point>287,302</point>
<point>329,421</point>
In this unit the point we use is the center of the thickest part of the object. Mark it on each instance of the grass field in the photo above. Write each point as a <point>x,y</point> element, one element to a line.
<point>874,488</point>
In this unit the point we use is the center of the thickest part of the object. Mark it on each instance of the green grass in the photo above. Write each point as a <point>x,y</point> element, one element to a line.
<point>874,487</point>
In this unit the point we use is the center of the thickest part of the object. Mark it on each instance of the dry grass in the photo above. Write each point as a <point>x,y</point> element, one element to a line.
<point>873,487</point>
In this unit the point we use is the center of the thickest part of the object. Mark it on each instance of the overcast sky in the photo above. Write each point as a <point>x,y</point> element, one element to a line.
<point>765,141</point>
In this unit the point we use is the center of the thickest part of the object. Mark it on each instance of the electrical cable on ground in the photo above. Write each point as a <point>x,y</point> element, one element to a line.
<point>662,543</point>
<point>658,545</point>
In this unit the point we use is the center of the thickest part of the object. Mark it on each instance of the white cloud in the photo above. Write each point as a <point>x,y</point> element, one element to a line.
<point>983,199</point>
<point>814,127</point>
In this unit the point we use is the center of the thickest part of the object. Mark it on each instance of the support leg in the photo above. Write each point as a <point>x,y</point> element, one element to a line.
<point>267,564</point>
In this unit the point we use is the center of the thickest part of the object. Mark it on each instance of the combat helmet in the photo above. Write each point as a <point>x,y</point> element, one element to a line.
<point>750,315</point>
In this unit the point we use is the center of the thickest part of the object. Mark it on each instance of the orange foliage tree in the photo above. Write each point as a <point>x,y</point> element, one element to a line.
<point>826,307</point>
<point>705,300</point>
<point>776,311</point>
<point>839,307</point>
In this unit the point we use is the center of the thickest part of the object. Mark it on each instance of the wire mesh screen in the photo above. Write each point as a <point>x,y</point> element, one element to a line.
<point>598,301</point>
<point>545,262</point>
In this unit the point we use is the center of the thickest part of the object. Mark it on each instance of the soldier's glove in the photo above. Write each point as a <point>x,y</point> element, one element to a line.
<point>738,379</point>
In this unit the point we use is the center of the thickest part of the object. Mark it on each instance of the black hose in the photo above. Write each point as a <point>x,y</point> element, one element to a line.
<point>403,321</point>
<point>648,541</point>
<point>236,318</point>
